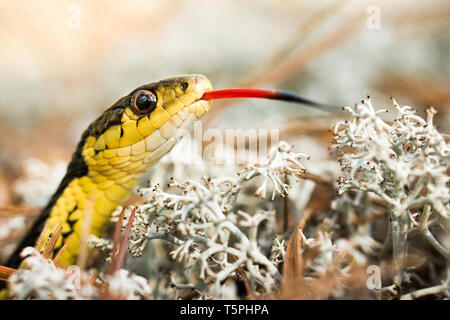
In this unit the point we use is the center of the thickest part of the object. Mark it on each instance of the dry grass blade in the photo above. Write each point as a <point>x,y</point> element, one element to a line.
<point>41,237</point>
<point>116,240</point>
<point>60,252</point>
<point>304,29</point>
<point>317,127</point>
<point>6,272</point>
<point>290,67</point>
<point>436,94</point>
<point>293,261</point>
<point>51,241</point>
<point>320,180</point>
<point>10,211</point>
<point>124,244</point>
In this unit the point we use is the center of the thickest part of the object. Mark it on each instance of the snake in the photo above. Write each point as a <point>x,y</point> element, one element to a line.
<point>116,151</point>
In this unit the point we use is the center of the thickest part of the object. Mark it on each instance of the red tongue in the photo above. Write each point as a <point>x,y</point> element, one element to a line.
<point>239,93</point>
<point>263,94</point>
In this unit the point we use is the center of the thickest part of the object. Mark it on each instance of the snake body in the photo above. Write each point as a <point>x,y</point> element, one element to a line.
<point>113,154</point>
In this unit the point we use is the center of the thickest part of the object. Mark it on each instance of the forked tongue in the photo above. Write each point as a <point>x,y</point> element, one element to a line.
<point>264,94</point>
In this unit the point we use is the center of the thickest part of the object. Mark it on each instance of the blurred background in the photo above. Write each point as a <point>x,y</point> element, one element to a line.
<point>63,62</point>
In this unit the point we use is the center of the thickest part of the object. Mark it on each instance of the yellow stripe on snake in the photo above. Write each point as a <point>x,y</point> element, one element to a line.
<point>114,153</point>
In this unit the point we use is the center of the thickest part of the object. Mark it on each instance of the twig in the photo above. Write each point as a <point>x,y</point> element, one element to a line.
<point>429,236</point>
<point>439,289</point>
<point>116,240</point>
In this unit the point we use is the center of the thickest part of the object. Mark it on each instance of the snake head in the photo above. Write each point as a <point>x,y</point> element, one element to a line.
<point>149,118</point>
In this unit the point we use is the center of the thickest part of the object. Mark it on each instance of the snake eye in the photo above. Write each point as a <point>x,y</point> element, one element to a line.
<point>143,102</point>
<point>184,86</point>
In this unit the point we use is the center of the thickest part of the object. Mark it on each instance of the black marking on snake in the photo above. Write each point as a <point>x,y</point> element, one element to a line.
<point>68,215</point>
<point>65,235</point>
<point>70,222</point>
<point>111,117</point>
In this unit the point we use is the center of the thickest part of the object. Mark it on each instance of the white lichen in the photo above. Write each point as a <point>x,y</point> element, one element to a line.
<point>208,235</point>
<point>39,278</point>
<point>125,285</point>
<point>405,163</point>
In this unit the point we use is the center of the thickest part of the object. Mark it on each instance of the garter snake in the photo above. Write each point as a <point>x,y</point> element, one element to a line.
<point>113,154</point>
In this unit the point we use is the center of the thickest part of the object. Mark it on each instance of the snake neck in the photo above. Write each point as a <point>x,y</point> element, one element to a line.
<point>88,195</point>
